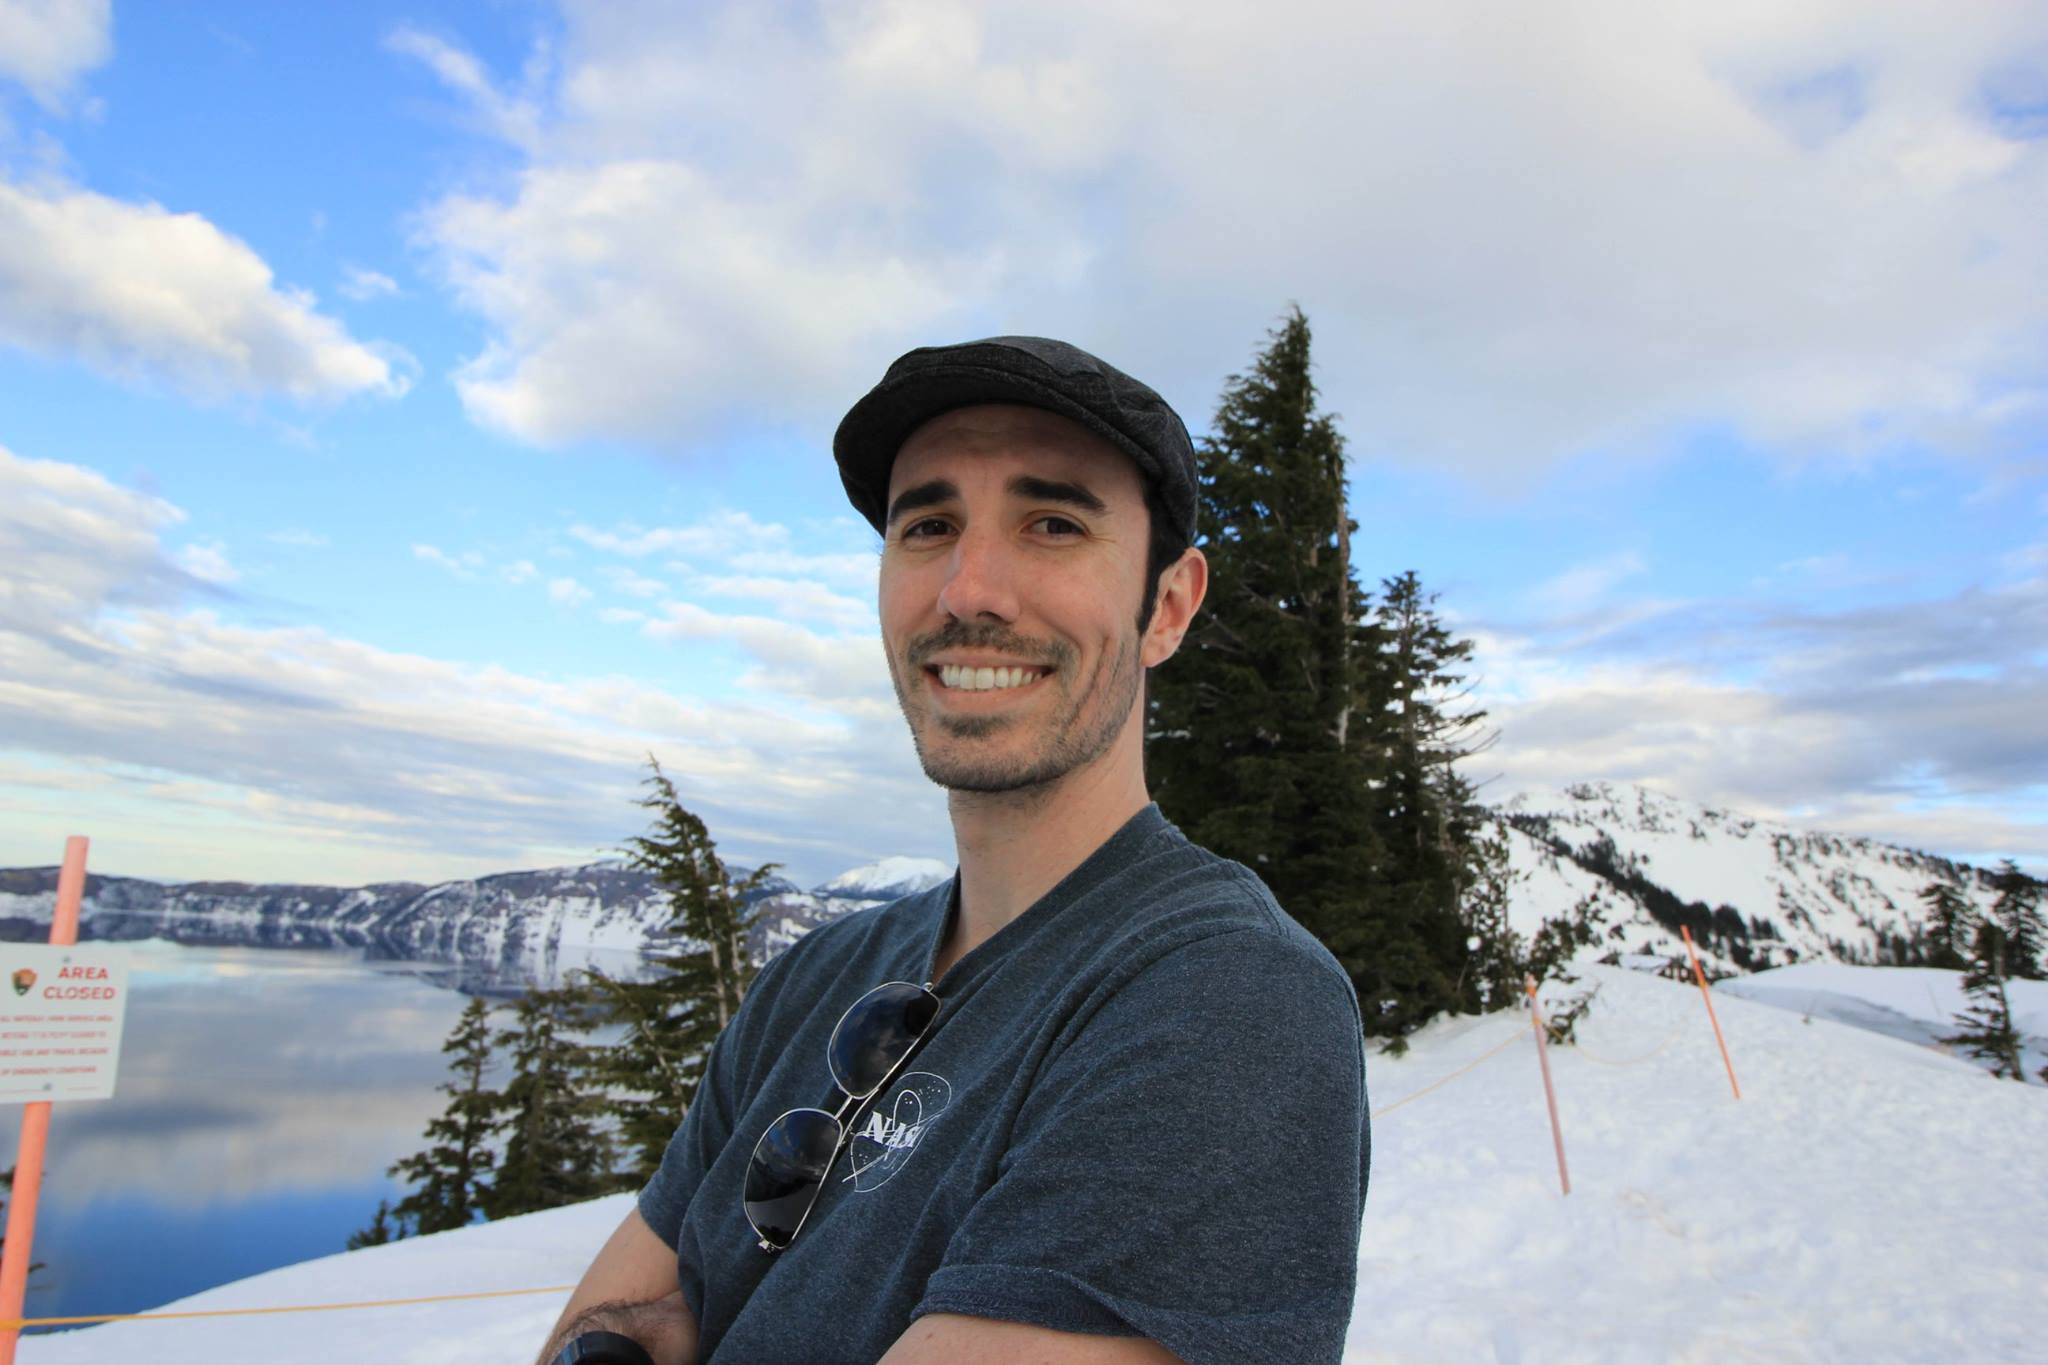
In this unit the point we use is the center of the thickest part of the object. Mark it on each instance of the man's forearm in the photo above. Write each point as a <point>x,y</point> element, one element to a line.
<point>665,1326</point>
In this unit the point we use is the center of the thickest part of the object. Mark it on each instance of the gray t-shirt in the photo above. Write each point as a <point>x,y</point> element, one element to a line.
<point>1141,1112</point>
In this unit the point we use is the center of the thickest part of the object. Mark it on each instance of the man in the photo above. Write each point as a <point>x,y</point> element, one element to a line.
<point>1135,1129</point>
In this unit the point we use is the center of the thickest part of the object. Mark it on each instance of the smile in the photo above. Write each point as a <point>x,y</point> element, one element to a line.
<point>961,678</point>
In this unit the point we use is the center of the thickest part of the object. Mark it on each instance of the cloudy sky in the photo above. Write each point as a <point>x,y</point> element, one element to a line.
<point>412,415</point>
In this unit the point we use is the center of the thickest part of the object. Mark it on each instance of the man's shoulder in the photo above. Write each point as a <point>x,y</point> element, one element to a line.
<point>1185,894</point>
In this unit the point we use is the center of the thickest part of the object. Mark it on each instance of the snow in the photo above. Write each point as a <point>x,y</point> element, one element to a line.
<point>1918,1004</point>
<point>895,876</point>
<point>1866,1199</point>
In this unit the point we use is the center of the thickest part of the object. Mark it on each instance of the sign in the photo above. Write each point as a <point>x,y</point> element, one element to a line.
<point>60,1021</point>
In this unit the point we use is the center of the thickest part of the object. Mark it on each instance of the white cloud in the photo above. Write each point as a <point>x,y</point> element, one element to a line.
<point>1585,585</point>
<point>48,44</point>
<point>794,600</point>
<point>1522,234</point>
<point>298,536</point>
<point>203,747</point>
<point>140,292</point>
<point>464,565</point>
<point>363,285</point>
<point>634,584</point>
<point>519,571</point>
<point>513,118</point>
<point>568,592</point>
<point>208,561</point>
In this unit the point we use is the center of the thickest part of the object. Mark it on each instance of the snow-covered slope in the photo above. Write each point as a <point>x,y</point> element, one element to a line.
<point>1918,1004</point>
<point>1755,893</point>
<point>888,880</point>
<point>1866,1200</point>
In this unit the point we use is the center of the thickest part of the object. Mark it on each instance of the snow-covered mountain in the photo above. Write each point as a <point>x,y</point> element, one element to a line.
<point>509,928</point>
<point>1756,894</point>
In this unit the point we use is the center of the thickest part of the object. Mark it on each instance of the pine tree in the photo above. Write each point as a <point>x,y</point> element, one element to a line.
<point>555,1151</point>
<point>2018,912</point>
<point>1255,743</point>
<point>1422,809</point>
<point>700,976</point>
<point>1951,924</point>
<point>1986,1025</point>
<point>383,1228</point>
<point>450,1175</point>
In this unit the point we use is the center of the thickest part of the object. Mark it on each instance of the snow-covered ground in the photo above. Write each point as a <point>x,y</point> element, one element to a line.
<point>1918,1004</point>
<point>1867,1199</point>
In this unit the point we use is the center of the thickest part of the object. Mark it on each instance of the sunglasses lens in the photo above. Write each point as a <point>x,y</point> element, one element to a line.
<point>881,1027</point>
<point>787,1169</point>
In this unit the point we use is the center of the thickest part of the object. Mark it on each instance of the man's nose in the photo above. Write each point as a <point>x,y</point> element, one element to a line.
<point>981,583</point>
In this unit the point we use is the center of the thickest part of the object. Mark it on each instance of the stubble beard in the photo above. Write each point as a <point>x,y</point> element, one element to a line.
<point>1073,737</point>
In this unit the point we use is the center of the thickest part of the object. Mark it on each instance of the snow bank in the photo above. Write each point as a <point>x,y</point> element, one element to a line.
<point>1867,1199</point>
<point>1917,1004</point>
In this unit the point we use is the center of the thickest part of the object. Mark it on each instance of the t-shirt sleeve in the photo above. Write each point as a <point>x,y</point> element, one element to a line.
<point>1189,1167</point>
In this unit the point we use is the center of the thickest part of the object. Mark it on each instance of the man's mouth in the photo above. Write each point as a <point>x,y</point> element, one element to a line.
<point>964,678</point>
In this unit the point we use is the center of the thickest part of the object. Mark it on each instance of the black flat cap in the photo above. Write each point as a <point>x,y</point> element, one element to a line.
<point>1034,371</point>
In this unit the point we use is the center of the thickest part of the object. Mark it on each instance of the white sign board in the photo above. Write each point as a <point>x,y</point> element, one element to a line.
<point>60,1020</point>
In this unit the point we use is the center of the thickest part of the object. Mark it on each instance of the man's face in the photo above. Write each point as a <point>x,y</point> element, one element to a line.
<point>1012,574</point>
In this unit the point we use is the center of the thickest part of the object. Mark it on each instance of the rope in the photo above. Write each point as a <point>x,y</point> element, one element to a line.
<point>1669,1039</point>
<point>15,1324</point>
<point>1499,1047</point>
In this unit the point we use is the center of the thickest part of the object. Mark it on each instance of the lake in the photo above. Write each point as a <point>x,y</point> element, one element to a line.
<point>262,1093</point>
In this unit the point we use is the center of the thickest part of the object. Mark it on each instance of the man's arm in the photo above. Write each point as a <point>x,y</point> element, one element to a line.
<point>631,1289</point>
<point>955,1339</point>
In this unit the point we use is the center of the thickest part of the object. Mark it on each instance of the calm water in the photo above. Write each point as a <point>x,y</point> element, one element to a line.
<point>262,1094</point>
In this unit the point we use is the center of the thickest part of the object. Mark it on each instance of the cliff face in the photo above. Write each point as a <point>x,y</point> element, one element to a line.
<point>518,924</point>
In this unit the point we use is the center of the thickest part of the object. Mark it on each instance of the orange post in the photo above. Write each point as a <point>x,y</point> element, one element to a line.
<point>35,1126</point>
<point>1706,995</point>
<point>1564,1177</point>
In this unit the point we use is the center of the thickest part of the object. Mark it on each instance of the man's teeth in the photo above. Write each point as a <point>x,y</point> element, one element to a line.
<point>985,679</point>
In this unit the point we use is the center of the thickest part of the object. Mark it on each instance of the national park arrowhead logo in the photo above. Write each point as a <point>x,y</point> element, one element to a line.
<point>24,977</point>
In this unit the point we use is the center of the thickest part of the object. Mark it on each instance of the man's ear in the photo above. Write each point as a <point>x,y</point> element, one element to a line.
<point>1181,590</point>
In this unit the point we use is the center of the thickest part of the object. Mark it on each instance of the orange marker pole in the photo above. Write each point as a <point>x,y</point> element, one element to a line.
<point>35,1126</point>
<point>1705,995</point>
<point>1564,1177</point>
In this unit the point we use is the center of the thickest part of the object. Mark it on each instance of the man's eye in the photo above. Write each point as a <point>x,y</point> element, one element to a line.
<point>1058,526</point>
<point>924,527</point>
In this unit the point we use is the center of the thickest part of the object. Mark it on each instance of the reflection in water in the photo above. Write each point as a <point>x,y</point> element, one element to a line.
<point>262,1094</point>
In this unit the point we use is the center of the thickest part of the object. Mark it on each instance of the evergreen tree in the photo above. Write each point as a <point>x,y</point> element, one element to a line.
<point>1273,737</point>
<point>555,1151</point>
<point>2018,912</point>
<point>450,1174</point>
<point>383,1228</point>
<point>1951,925</point>
<point>1986,1025</point>
<point>701,974</point>
<point>1255,744</point>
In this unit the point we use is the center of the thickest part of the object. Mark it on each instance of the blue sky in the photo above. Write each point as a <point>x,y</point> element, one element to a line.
<point>411,416</point>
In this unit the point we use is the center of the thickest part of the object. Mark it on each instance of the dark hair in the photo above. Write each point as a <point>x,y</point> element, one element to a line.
<point>1164,546</point>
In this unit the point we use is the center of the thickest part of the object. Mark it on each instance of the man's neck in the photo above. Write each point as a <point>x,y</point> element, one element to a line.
<point>1016,846</point>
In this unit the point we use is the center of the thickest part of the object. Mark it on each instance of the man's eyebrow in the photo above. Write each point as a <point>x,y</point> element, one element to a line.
<point>1055,490</point>
<point>928,494</point>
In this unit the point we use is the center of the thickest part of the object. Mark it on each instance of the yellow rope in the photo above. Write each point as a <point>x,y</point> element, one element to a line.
<point>15,1324</point>
<point>1502,1046</point>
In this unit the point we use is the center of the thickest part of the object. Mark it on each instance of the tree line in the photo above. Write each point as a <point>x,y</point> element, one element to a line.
<point>597,1071</point>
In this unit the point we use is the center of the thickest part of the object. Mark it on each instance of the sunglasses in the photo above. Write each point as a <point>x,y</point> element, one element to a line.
<point>870,1044</point>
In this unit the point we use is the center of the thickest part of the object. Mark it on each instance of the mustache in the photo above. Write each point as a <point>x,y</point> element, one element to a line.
<point>983,635</point>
